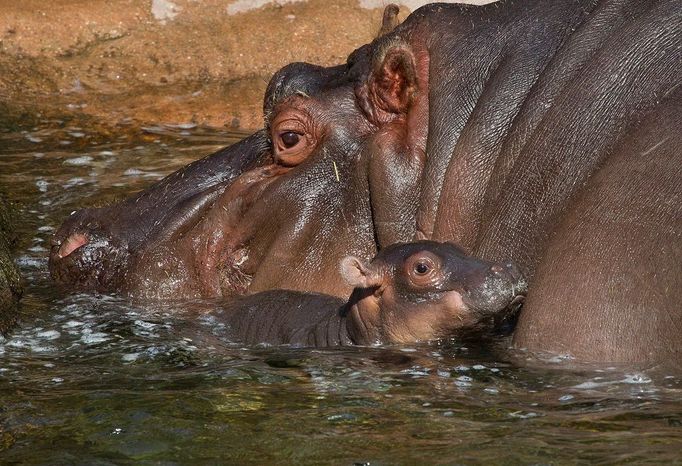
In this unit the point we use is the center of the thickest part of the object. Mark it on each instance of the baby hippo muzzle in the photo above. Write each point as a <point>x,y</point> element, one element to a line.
<point>502,287</point>
<point>427,290</point>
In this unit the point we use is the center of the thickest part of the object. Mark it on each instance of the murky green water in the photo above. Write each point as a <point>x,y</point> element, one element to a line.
<point>100,380</point>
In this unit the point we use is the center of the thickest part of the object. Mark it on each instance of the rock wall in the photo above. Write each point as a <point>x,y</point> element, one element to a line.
<point>10,282</point>
<point>163,61</point>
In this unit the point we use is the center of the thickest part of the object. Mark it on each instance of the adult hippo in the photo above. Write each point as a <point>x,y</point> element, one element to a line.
<point>547,133</point>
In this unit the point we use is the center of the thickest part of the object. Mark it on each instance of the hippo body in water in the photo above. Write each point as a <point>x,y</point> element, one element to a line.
<point>542,132</point>
<point>408,293</point>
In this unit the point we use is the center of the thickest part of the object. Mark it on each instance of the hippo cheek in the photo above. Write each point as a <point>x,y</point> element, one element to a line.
<point>459,314</point>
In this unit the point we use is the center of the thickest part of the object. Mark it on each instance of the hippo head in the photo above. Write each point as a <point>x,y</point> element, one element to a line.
<point>340,154</point>
<point>427,290</point>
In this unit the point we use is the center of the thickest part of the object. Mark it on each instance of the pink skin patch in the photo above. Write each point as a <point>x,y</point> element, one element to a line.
<point>72,243</point>
<point>453,301</point>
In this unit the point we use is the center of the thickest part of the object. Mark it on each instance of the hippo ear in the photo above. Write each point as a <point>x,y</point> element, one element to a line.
<point>390,20</point>
<point>394,80</point>
<point>358,274</point>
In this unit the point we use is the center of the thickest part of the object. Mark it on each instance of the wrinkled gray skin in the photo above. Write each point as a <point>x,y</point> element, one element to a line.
<point>547,133</point>
<point>410,292</point>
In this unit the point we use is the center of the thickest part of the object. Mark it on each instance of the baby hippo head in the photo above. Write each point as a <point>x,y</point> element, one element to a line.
<point>427,290</point>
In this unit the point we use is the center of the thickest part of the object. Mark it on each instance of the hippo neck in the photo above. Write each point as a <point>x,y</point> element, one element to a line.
<point>359,318</point>
<point>495,110</point>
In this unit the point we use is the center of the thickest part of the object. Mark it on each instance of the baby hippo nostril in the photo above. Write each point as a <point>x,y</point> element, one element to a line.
<point>497,269</point>
<point>512,277</point>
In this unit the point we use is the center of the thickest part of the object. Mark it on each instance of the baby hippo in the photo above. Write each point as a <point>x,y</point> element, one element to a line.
<point>409,292</point>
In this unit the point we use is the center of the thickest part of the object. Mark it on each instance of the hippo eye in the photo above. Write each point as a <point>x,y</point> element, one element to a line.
<point>421,268</point>
<point>293,138</point>
<point>290,139</point>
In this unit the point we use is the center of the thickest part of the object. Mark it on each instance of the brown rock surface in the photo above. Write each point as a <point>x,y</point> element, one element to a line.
<point>160,61</point>
<point>166,61</point>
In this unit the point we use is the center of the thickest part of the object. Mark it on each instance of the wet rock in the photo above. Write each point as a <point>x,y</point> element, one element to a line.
<point>10,282</point>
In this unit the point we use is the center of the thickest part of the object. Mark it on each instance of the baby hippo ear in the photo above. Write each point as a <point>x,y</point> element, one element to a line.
<point>358,274</point>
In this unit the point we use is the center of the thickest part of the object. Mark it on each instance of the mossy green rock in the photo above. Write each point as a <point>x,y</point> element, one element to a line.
<point>10,281</point>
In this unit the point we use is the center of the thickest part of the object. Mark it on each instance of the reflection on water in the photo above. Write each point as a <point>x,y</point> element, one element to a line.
<point>100,380</point>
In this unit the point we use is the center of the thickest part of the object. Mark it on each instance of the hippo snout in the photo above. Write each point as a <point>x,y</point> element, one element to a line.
<point>85,260</point>
<point>503,289</point>
<point>512,274</point>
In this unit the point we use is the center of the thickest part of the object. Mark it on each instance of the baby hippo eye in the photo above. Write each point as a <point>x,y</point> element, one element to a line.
<point>421,268</point>
<point>290,139</point>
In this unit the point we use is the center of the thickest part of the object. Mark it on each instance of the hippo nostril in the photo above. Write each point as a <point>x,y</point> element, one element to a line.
<point>72,243</point>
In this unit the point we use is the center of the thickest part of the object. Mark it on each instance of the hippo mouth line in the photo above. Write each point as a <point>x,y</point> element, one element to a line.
<point>516,304</point>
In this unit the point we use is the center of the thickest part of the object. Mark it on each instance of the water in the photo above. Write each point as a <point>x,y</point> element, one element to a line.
<point>100,380</point>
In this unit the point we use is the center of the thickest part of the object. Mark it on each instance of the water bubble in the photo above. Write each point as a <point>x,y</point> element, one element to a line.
<point>636,379</point>
<point>42,185</point>
<point>463,381</point>
<point>523,415</point>
<point>90,338</point>
<point>26,261</point>
<point>72,324</point>
<point>133,172</point>
<point>77,181</point>
<point>49,335</point>
<point>130,357</point>
<point>341,417</point>
<point>83,160</point>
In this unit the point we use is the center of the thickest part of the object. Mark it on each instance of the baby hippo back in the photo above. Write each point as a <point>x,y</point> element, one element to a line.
<point>287,317</point>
